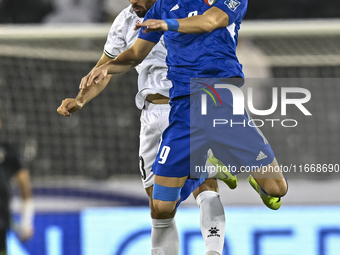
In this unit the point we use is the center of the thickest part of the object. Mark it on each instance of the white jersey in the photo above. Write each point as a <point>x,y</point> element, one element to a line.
<point>153,70</point>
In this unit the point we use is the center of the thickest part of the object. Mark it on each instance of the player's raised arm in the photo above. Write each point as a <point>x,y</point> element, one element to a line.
<point>103,60</point>
<point>124,62</point>
<point>96,81</point>
<point>71,105</point>
<point>210,20</point>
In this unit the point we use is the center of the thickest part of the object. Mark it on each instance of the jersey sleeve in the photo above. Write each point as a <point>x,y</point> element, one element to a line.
<point>153,13</point>
<point>116,43</point>
<point>236,9</point>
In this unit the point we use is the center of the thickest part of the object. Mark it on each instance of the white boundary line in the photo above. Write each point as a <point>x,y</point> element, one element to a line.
<point>253,28</point>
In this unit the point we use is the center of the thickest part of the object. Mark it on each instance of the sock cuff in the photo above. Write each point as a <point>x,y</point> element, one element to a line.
<point>204,195</point>
<point>163,223</point>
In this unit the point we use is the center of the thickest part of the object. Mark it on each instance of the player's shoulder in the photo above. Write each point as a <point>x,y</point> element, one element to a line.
<point>171,3</point>
<point>127,14</point>
<point>166,5</point>
<point>125,19</point>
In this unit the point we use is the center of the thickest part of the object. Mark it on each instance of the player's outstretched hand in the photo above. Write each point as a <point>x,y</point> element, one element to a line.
<point>152,25</point>
<point>68,106</point>
<point>25,234</point>
<point>96,75</point>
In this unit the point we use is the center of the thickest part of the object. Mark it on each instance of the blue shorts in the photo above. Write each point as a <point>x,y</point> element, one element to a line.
<point>189,186</point>
<point>190,134</point>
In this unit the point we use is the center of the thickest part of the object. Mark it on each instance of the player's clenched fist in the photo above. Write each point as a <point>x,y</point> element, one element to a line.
<point>68,106</point>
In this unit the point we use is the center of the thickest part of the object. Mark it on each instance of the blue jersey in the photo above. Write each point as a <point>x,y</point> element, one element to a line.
<point>203,55</point>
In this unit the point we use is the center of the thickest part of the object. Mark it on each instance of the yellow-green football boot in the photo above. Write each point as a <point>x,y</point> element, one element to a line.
<point>224,174</point>
<point>273,203</point>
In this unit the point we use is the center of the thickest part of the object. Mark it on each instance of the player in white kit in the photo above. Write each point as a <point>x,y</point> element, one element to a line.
<point>152,99</point>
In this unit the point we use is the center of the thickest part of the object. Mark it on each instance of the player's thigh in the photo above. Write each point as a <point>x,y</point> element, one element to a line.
<point>154,214</point>
<point>167,193</point>
<point>171,182</point>
<point>180,152</point>
<point>241,145</point>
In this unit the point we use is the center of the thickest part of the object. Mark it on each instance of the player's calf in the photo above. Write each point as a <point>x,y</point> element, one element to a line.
<point>271,180</point>
<point>275,187</point>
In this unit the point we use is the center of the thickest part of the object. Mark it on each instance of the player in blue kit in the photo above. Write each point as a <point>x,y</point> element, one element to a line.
<point>205,48</point>
<point>201,40</point>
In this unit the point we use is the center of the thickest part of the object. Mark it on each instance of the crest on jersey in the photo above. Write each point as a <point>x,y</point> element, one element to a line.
<point>232,4</point>
<point>210,2</point>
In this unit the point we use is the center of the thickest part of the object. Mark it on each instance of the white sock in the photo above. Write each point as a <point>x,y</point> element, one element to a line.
<point>164,237</point>
<point>212,220</point>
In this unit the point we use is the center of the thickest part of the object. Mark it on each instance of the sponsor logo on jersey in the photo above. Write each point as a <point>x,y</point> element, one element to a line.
<point>176,7</point>
<point>210,2</point>
<point>261,156</point>
<point>232,4</point>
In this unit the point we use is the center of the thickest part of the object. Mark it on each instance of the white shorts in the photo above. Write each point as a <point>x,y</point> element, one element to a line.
<point>154,119</point>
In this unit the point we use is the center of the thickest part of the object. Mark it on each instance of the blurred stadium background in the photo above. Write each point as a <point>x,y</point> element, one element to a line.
<point>85,170</point>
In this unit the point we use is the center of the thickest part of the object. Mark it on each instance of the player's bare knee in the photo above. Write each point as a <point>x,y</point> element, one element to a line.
<point>157,215</point>
<point>163,207</point>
